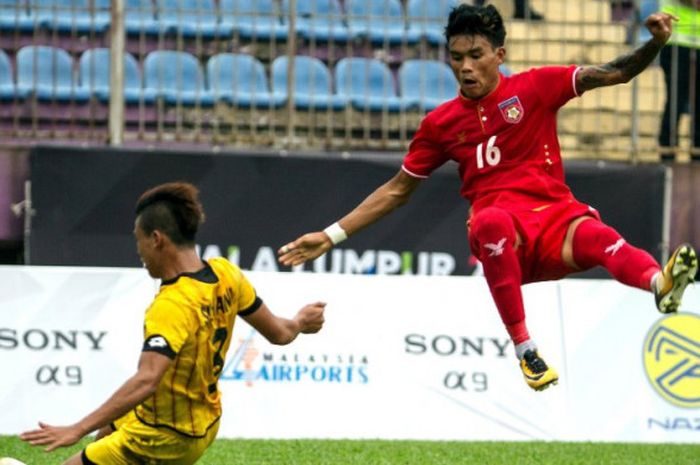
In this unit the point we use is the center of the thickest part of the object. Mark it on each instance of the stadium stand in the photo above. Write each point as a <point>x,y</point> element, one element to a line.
<point>66,16</point>
<point>14,16</point>
<point>382,22</point>
<point>176,77</point>
<point>47,74</point>
<point>646,7</point>
<point>139,16</point>
<point>389,35</point>
<point>368,84</point>
<point>426,83</point>
<point>8,90</point>
<point>254,19</point>
<point>312,89</point>
<point>94,70</point>
<point>241,80</point>
<point>319,20</point>
<point>427,18</point>
<point>191,18</point>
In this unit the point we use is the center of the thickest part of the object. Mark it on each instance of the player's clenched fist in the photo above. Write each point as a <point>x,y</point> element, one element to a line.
<point>310,317</point>
<point>660,25</point>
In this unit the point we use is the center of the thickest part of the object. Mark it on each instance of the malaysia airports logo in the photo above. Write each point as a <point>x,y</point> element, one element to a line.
<point>672,359</point>
<point>250,365</point>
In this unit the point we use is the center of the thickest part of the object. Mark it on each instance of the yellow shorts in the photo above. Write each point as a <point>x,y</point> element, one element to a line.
<point>136,443</point>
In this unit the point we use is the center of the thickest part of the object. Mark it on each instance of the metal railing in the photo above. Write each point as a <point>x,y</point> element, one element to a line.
<point>233,81</point>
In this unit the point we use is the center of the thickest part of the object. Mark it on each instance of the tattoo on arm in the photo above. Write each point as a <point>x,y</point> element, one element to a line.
<point>621,69</point>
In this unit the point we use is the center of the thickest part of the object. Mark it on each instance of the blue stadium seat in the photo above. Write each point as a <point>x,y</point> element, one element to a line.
<point>7,83</point>
<point>253,19</point>
<point>313,87</point>
<point>176,77</point>
<point>427,83</point>
<point>646,7</point>
<point>369,85</point>
<point>191,18</point>
<point>94,67</point>
<point>8,90</point>
<point>14,16</point>
<point>47,72</point>
<point>70,15</point>
<point>380,21</point>
<point>138,16</point>
<point>240,80</point>
<point>319,20</point>
<point>428,18</point>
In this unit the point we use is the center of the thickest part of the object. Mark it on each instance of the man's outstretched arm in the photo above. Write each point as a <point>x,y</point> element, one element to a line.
<point>378,204</point>
<point>623,68</point>
<point>135,390</point>
<point>282,331</point>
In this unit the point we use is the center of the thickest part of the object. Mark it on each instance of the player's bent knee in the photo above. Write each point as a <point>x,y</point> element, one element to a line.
<point>595,232</point>
<point>594,243</point>
<point>491,223</point>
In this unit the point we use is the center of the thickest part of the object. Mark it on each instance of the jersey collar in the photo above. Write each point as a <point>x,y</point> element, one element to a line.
<point>491,96</point>
<point>205,275</point>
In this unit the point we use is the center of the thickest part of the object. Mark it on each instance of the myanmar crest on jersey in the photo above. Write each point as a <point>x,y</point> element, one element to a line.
<point>505,143</point>
<point>512,110</point>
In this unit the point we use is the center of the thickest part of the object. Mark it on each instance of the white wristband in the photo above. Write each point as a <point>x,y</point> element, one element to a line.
<point>336,233</point>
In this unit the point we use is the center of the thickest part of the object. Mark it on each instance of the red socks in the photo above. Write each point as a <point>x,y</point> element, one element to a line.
<point>596,243</point>
<point>492,237</point>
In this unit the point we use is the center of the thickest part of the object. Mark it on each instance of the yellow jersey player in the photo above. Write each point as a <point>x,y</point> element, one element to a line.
<point>169,411</point>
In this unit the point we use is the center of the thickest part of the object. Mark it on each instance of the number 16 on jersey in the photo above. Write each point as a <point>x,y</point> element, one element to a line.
<point>492,156</point>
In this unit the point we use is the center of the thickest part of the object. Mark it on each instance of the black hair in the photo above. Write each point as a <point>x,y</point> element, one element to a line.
<point>476,20</point>
<point>172,208</point>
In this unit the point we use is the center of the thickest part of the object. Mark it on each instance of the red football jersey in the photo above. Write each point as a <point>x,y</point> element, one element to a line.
<point>506,144</point>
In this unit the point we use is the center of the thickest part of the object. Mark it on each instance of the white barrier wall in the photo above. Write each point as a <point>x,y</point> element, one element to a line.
<point>399,358</point>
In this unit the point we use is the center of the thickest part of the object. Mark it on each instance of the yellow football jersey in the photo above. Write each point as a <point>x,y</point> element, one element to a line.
<point>191,321</point>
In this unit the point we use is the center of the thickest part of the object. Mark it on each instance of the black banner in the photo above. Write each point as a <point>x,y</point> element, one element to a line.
<point>85,201</point>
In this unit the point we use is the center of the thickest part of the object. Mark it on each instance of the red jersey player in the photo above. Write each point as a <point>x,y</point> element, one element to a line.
<point>525,224</point>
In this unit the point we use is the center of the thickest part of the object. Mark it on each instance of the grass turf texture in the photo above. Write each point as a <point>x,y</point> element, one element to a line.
<point>326,452</point>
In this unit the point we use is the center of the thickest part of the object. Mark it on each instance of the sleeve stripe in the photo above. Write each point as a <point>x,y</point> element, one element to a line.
<point>252,308</point>
<point>573,81</point>
<point>410,173</point>
<point>158,343</point>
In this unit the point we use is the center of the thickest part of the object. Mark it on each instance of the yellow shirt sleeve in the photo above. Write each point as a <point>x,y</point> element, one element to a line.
<point>165,319</point>
<point>248,301</point>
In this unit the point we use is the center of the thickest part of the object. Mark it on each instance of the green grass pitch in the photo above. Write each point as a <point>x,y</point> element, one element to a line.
<point>375,452</point>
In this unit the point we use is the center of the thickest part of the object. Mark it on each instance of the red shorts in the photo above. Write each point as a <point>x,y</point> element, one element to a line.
<point>542,232</point>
